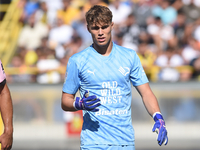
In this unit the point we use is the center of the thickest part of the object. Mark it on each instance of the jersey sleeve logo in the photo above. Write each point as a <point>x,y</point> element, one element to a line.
<point>124,70</point>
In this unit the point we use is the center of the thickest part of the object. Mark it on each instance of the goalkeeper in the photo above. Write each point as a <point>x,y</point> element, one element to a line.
<point>103,73</point>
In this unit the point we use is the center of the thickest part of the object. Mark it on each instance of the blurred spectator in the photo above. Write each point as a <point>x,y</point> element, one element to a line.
<point>161,34</point>
<point>32,33</point>
<point>90,3</point>
<point>144,37</point>
<point>30,7</point>
<point>120,11</point>
<point>43,14</point>
<point>168,61</point>
<point>195,63</point>
<point>59,35</point>
<point>197,30</point>
<point>48,65</point>
<point>147,58</point>
<point>142,10</point>
<point>177,4</point>
<point>20,76</point>
<point>131,32</point>
<point>68,13</point>
<point>165,11</point>
<point>191,51</point>
<point>179,28</point>
<point>74,46</point>
<point>53,5</point>
<point>80,28</point>
<point>191,9</point>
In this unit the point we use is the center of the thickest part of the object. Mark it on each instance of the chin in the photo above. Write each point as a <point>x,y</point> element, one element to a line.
<point>102,43</point>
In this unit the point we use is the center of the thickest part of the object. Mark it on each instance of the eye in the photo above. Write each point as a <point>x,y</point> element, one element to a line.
<point>104,27</point>
<point>95,28</point>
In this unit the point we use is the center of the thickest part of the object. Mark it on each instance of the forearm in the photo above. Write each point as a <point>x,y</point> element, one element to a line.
<point>151,103</point>
<point>148,98</point>
<point>6,108</point>
<point>67,102</point>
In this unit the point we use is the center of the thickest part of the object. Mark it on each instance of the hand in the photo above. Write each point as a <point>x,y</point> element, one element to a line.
<point>160,128</point>
<point>6,141</point>
<point>89,103</point>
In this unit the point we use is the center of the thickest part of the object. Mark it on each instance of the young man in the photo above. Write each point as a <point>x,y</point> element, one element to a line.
<point>103,74</point>
<point>6,110</point>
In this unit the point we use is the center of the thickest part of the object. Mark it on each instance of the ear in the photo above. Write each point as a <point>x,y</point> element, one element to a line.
<point>112,25</point>
<point>88,28</point>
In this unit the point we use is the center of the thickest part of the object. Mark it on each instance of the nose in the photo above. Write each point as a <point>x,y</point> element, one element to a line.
<point>100,31</point>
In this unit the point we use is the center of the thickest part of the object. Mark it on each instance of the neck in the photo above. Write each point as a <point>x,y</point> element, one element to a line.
<point>104,50</point>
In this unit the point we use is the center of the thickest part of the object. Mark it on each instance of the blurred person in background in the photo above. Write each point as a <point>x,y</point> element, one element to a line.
<point>191,9</point>
<point>43,14</point>
<point>6,108</point>
<point>161,34</point>
<point>52,7</point>
<point>68,13</point>
<point>80,27</point>
<point>179,28</point>
<point>142,10</point>
<point>58,36</point>
<point>32,33</point>
<point>165,11</point>
<point>48,67</point>
<point>29,8</point>
<point>191,50</point>
<point>19,73</point>
<point>196,29</point>
<point>195,63</point>
<point>103,74</point>
<point>120,11</point>
<point>131,32</point>
<point>90,3</point>
<point>147,58</point>
<point>168,61</point>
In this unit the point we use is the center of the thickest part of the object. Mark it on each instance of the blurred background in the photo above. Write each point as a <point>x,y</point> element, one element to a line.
<point>37,37</point>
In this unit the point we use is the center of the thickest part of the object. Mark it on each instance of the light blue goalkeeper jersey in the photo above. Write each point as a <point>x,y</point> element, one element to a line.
<point>109,78</point>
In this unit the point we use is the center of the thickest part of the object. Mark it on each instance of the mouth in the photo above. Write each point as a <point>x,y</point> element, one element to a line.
<point>102,39</point>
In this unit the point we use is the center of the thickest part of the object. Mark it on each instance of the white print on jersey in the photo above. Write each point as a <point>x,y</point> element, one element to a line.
<point>92,72</point>
<point>111,99</point>
<point>124,70</point>
<point>110,93</point>
<point>112,112</point>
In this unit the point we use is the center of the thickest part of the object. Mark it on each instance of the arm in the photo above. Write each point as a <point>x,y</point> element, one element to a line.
<point>67,102</point>
<point>148,98</point>
<point>153,109</point>
<point>6,109</point>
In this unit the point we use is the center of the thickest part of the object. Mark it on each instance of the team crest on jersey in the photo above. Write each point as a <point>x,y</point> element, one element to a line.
<point>124,70</point>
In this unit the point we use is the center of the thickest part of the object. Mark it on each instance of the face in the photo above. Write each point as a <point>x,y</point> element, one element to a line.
<point>101,33</point>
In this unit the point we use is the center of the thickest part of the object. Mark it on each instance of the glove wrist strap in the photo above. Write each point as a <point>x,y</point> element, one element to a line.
<point>157,116</point>
<point>74,105</point>
<point>77,104</point>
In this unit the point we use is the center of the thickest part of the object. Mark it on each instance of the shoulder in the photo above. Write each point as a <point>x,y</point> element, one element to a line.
<point>125,51</point>
<point>81,57</point>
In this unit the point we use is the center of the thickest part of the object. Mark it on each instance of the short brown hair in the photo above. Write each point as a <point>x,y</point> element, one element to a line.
<point>98,14</point>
